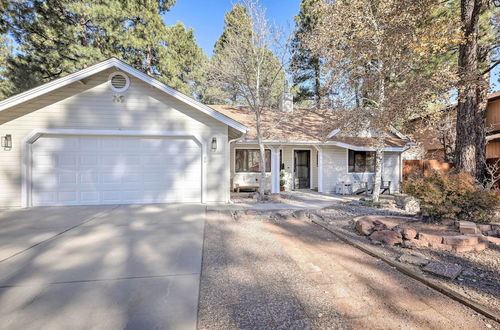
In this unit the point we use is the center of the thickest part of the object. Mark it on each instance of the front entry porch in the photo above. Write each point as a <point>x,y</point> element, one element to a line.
<point>310,167</point>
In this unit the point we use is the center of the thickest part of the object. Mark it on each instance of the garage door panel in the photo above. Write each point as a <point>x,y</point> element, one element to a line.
<point>115,170</point>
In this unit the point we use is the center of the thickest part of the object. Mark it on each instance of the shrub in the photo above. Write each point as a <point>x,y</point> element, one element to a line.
<point>452,196</point>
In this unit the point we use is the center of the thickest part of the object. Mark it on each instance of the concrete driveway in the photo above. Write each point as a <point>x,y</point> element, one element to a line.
<point>101,267</point>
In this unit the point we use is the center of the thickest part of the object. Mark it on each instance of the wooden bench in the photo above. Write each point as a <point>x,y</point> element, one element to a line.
<point>237,189</point>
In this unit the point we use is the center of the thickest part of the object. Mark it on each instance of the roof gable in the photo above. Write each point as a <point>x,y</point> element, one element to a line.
<point>110,63</point>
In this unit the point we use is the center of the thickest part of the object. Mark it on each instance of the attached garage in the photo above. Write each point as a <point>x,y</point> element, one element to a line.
<point>82,170</point>
<point>110,134</point>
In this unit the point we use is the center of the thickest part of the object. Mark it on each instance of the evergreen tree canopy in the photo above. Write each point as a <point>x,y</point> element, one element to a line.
<point>305,66</point>
<point>58,37</point>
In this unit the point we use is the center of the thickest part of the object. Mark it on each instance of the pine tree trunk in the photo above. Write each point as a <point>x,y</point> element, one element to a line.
<point>317,83</point>
<point>466,149</point>
<point>482,99</point>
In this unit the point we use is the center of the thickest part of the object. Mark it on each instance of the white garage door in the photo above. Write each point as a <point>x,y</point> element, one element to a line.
<point>83,170</point>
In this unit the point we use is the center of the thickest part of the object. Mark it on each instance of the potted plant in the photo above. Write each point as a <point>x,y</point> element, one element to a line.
<point>282,180</point>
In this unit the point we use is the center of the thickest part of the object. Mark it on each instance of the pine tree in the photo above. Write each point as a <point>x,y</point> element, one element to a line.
<point>305,66</point>
<point>6,87</point>
<point>58,37</point>
<point>237,22</point>
<point>239,28</point>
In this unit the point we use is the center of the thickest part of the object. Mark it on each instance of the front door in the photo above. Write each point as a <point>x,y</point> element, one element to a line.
<point>302,169</point>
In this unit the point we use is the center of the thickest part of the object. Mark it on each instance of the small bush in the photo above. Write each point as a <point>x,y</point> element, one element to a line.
<point>452,196</point>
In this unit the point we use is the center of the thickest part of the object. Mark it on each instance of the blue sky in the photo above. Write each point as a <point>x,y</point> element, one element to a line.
<point>206,17</point>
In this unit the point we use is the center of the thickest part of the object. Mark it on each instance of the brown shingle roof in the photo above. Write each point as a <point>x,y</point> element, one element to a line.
<point>300,125</point>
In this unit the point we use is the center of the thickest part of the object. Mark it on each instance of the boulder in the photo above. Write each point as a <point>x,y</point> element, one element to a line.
<point>408,203</point>
<point>409,244</point>
<point>379,225</point>
<point>461,240</point>
<point>468,227</point>
<point>364,227</point>
<point>409,233</point>
<point>388,237</point>
<point>429,238</point>
<point>484,228</point>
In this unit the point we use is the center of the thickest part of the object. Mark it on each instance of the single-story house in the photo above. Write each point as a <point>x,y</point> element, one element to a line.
<point>110,134</point>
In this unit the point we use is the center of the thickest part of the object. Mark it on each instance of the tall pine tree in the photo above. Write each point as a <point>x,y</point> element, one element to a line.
<point>305,66</point>
<point>58,37</point>
<point>5,53</point>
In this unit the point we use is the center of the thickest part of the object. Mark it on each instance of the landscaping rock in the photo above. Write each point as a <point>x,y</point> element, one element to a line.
<point>468,227</point>
<point>364,227</point>
<point>440,246</point>
<point>379,225</point>
<point>409,233</point>
<point>484,228</point>
<point>413,259</point>
<point>409,244</point>
<point>461,240</point>
<point>443,269</point>
<point>407,203</point>
<point>388,237</point>
<point>429,238</point>
<point>494,240</point>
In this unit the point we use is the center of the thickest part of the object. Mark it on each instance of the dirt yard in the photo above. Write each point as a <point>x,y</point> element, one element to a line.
<point>480,278</point>
<point>293,274</point>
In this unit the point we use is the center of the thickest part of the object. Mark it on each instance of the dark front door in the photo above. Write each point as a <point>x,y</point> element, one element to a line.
<point>302,169</point>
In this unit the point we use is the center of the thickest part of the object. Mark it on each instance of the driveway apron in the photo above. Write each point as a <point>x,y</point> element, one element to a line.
<point>128,266</point>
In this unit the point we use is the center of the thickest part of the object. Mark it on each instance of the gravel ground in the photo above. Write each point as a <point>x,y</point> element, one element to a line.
<point>480,278</point>
<point>296,275</point>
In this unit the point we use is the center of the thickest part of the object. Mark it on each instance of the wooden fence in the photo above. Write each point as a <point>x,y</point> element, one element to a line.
<point>424,167</point>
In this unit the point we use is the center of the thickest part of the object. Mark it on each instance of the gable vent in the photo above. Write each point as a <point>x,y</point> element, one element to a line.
<point>118,82</point>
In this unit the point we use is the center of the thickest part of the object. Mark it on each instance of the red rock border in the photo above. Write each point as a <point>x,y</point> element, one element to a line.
<point>407,271</point>
<point>382,229</point>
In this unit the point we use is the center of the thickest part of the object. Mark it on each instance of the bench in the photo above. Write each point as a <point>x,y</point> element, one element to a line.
<point>237,189</point>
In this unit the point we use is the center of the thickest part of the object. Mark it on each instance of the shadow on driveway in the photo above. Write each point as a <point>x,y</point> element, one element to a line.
<point>129,266</point>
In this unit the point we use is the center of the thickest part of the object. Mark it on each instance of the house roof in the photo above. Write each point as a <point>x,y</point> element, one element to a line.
<point>110,63</point>
<point>301,126</point>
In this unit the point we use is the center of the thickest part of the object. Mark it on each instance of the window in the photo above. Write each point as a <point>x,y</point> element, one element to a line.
<point>247,160</point>
<point>361,161</point>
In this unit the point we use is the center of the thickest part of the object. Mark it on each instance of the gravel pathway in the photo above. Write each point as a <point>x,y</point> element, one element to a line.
<point>295,275</point>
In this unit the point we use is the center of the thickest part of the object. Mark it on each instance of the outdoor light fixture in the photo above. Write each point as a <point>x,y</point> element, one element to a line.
<point>214,144</point>
<point>7,141</point>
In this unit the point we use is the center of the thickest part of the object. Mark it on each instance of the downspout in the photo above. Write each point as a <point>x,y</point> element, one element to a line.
<point>228,160</point>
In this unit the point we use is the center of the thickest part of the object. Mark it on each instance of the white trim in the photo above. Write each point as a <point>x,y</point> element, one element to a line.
<point>333,133</point>
<point>310,166</point>
<point>118,90</point>
<point>322,143</point>
<point>395,131</point>
<point>113,62</point>
<point>275,170</point>
<point>33,136</point>
<point>319,150</point>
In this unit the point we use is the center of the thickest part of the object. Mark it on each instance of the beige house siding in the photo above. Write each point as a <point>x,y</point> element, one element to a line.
<point>90,106</point>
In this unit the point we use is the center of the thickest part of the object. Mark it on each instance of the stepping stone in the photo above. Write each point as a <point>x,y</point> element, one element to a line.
<point>450,271</point>
<point>413,259</point>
